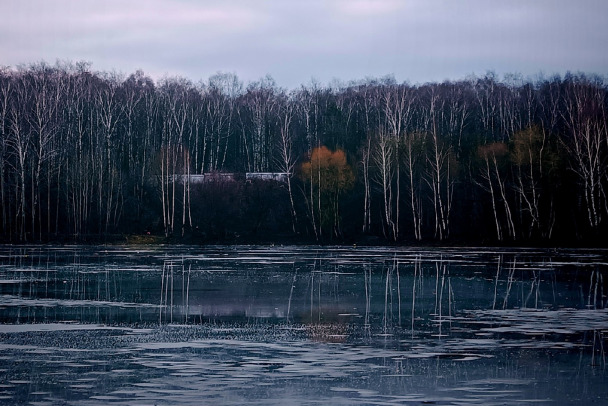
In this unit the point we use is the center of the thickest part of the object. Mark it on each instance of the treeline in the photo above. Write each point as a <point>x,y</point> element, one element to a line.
<point>88,154</point>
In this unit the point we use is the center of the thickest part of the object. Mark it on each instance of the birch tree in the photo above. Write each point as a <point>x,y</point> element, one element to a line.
<point>413,156</point>
<point>287,158</point>
<point>494,157</point>
<point>442,167</point>
<point>585,117</point>
<point>5,98</point>
<point>385,162</point>
<point>46,92</point>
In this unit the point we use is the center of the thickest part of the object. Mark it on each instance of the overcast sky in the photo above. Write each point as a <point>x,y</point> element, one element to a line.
<point>296,41</point>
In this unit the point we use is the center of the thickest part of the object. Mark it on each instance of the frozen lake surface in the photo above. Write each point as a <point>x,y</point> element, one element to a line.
<point>295,325</point>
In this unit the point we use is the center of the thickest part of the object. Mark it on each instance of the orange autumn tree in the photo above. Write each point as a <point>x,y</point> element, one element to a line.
<point>326,176</point>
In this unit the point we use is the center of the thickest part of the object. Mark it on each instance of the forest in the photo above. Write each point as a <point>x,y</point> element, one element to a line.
<point>101,156</point>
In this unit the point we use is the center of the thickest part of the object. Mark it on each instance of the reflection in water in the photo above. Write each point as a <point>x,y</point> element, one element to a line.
<point>484,326</point>
<point>291,288</point>
<point>367,274</point>
<point>596,291</point>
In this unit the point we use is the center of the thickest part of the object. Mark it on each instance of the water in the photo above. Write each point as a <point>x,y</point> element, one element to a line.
<point>302,325</point>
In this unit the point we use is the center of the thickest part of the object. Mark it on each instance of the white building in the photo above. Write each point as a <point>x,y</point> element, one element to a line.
<point>231,177</point>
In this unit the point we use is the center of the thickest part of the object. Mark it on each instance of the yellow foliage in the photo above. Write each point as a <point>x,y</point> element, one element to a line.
<point>328,170</point>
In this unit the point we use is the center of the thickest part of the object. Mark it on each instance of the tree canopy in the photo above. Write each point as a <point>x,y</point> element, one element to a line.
<point>87,154</point>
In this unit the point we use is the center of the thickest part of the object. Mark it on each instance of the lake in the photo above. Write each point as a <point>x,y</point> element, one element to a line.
<point>302,325</point>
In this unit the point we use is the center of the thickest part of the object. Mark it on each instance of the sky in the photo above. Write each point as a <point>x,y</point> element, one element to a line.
<point>301,41</point>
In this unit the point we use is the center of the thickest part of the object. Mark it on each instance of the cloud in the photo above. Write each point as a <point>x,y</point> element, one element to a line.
<point>368,8</point>
<point>294,40</point>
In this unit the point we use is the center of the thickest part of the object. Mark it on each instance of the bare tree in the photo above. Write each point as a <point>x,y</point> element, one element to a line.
<point>398,102</point>
<point>413,153</point>
<point>384,159</point>
<point>175,159</point>
<point>308,106</point>
<point>287,160</point>
<point>109,111</point>
<point>5,98</point>
<point>584,114</point>
<point>442,167</point>
<point>46,91</point>
<point>140,120</point>
<point>366,153</point>
<point>486,92</point>
<point>533,159</point>
<point>19,142</point>
<point>493,181</point>
<point>221,94</point>
<point>80,139</point>
<point>261,105</point>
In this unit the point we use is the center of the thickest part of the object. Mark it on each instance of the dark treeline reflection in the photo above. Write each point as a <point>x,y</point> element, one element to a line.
<point>405,291</point>
<point>88,154</point>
